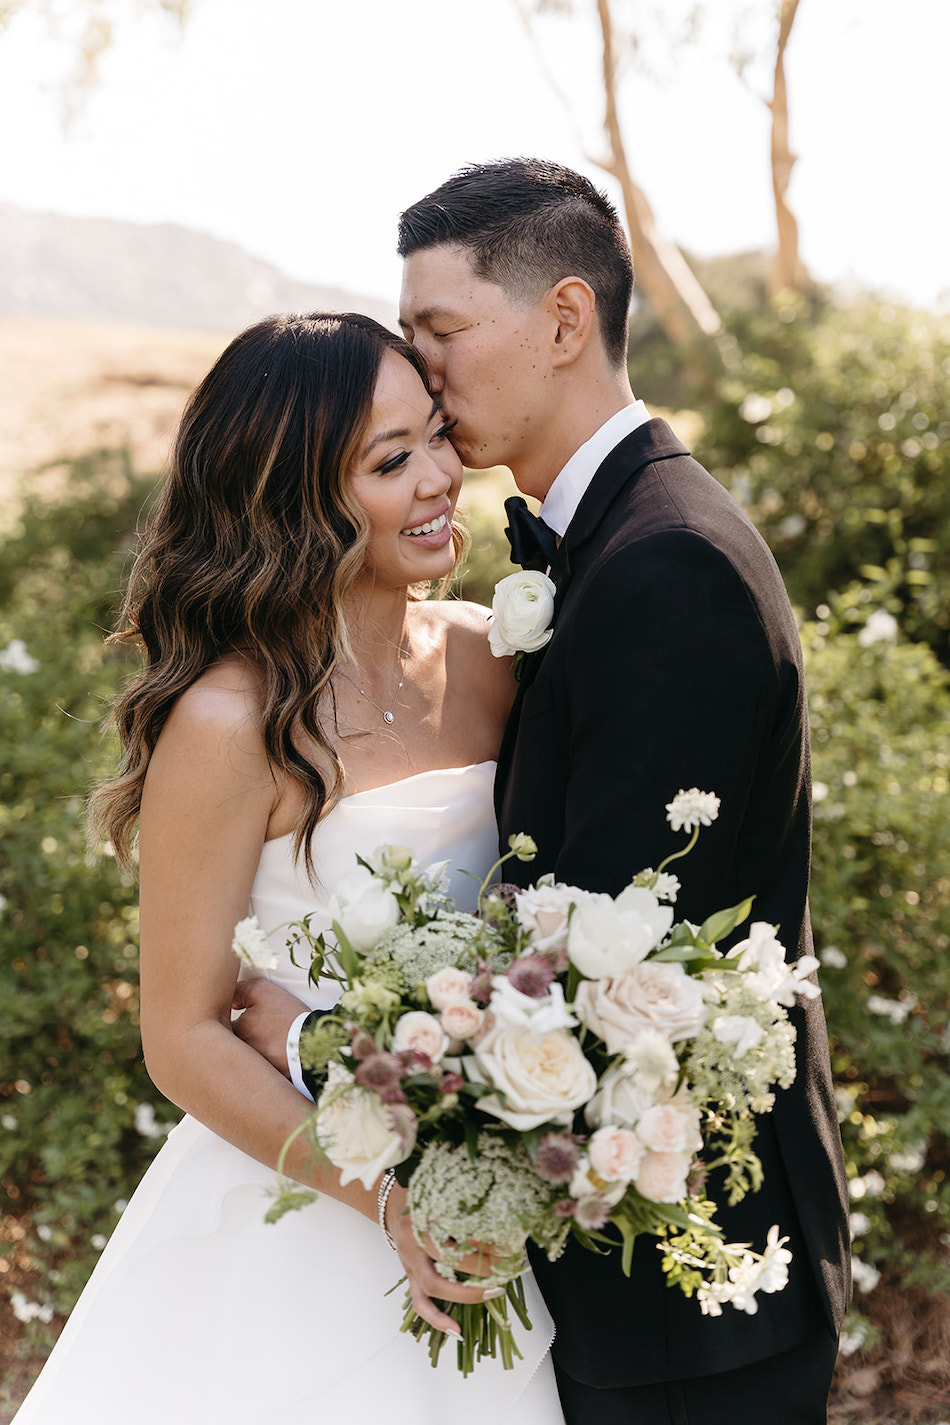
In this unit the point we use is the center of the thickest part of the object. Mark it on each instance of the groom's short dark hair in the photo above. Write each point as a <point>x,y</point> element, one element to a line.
<point>527,223</point>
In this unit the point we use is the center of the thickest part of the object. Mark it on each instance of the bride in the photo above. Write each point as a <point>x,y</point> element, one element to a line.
<point>301,703</point>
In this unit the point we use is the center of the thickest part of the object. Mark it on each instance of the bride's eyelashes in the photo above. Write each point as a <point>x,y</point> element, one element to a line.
<point>396,462</point>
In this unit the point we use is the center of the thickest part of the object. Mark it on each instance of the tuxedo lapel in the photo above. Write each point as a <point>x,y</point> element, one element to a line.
<point>648,443</point>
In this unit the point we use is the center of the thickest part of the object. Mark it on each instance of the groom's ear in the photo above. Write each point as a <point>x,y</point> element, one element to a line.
<point>571,303</point>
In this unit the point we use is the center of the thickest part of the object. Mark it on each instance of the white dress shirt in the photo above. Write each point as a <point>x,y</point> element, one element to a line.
<point>564,496</point>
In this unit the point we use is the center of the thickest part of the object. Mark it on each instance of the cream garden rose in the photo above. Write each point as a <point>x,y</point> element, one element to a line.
<point>615,1153</point>
<point>463,1020</point>
<point>448,986</point>
<point>545,1077</point>
<point>422,1033</point>
<point>662,1176</point>
<point>356,1130</point>
<point>522,609</point>
<point>647,996</point>
<point>544,909</point>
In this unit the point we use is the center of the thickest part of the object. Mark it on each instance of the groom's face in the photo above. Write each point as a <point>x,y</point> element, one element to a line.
<point>486,356</point>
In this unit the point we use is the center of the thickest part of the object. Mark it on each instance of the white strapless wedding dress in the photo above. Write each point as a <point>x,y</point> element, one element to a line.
<point>198,1313</point>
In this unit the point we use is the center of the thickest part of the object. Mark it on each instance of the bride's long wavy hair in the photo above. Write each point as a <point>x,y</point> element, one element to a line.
<point>253,545</point>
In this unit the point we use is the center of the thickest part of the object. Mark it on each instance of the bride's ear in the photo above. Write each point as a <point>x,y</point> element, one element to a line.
<point>571,305</point>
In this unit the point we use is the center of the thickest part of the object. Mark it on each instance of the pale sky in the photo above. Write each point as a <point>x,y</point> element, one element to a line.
<point>300,128</point>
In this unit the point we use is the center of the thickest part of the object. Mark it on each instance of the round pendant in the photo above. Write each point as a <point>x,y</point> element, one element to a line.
<point>388,717</point>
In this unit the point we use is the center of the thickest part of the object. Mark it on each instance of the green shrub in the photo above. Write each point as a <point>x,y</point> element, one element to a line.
<point>832,431</point>
<point>881,909</point>
<point>71,1073</point>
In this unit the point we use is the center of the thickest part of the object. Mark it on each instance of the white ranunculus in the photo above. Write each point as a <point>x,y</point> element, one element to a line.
<point>740,1030</point>
<point>543,911</point>
<point>618,1008</point>
<point>356,1130</point>
<point>607,936</point>
<point>462,1020</point>
<point>623,1098</point>
<point>522,609</point>
<point>662,1176</point>
<point>422,1033</point>
<point>615,1153</point>
<point>513,1010</point>
<point>448,986</point>
<point>671,1128</point>
<point>544,1077</point>
<point>364,908</point>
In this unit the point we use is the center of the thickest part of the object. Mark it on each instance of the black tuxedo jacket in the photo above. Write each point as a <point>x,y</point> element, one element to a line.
<point>675,662</point>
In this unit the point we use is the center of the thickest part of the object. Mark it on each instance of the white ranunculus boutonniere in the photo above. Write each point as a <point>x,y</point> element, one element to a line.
<point>522,609</point>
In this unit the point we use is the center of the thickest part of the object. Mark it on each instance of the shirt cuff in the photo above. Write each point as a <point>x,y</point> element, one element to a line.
<point>293,1055</point>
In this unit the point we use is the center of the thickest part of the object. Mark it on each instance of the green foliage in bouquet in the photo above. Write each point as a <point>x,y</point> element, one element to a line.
<point>880,899</point>
<point>832,430</point>
<point>79,1119</point>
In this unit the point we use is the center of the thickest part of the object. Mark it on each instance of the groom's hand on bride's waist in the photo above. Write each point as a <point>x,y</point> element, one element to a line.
<point>268,1014</point>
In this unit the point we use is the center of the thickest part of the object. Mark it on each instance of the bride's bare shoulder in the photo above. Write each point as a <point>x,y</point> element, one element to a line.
<point>219,715</point>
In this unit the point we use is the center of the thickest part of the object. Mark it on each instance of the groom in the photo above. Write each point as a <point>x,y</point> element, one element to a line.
<point>674,662</point>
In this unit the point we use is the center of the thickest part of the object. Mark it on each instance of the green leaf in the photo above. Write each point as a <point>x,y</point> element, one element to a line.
<point>724,922</point>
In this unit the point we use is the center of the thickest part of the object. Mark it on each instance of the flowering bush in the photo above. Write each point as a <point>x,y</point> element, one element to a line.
<point>572,1052</point>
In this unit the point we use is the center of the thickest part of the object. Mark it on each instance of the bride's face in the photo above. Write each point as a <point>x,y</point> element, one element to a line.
<point>406,478</point>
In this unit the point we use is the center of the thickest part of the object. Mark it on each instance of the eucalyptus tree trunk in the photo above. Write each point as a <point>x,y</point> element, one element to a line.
<point>788,270</point>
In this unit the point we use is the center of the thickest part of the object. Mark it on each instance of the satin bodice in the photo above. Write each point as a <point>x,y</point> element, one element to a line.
<point>446,813</point>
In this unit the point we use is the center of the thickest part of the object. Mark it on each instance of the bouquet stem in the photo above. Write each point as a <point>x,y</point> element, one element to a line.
<point>485,1327</point>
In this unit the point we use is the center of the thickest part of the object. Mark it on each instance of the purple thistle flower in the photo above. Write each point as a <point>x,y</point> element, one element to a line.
<point>698,1173</point>
<point>481,987</point>
<point>395,1095</point>
<point>565,1207</point>
<point>363,1045</point>
<point>506,891</point>
<point>592,1212</point>
<point>404,1124</point>
<point>381,1072</point>
<point>557,959</point>
<point>556,1158</point>
<point>451,1083</point>
<point>531,975</point>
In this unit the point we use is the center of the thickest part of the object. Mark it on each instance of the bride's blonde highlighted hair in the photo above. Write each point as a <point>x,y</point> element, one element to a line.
<point>252,548</point>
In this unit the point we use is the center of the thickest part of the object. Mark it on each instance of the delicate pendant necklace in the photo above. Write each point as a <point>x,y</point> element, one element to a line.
<point>387,714</point>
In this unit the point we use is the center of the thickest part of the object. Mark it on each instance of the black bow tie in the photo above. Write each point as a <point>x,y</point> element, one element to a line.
<point>533,543</point>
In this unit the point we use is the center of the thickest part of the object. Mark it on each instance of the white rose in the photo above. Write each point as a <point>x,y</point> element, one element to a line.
<point>448,986</point>
<point>356,1130</point>
<point>462,1020</point>
<point>615,1153</point>
<point>544,1078</point>
<point>364,909</point>
<point>422,1033</point>
<point>543,911</point>
<point>607,936</point>
<point>670,1128</point>
<point>522,609</point>
<point>663,997</point>
<point>623,1097</point>
<point>662,1176</point>
<point>513,1010</point>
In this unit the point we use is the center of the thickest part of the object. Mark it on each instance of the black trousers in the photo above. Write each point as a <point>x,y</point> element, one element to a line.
<point>788,1389</point>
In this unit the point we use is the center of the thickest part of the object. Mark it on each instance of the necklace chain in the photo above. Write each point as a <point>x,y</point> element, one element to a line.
<point>386,713</point>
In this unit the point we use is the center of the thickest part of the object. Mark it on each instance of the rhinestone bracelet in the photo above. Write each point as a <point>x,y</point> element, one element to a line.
<point>386,1185</point>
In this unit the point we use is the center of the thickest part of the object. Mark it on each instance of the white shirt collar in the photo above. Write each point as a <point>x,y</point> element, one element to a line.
<point>564,496</point>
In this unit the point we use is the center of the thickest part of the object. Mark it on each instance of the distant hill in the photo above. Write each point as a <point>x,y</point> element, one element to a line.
<point>155,274</point>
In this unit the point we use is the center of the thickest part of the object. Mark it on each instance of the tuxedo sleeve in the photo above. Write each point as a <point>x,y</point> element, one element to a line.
<point>673,682</point>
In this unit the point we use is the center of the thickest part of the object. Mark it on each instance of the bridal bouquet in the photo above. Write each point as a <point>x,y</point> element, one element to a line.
<point>557,1063</point>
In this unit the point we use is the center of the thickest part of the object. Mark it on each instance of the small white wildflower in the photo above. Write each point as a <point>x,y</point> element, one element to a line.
<point>26,1311</point>
<point>864,1276</point>
<point>819,790</point>
<point>870,1185</point>
<point>691,809</point>
<point>15,659</point>
<point>910,1161</point>
<point>881,627</point>
<point>859,1222</point>
<point>755,408</point>
<point>896,1010</point>
<point>120,1204</point>
<point>250,945</point>
<point>98,1240</point>
<point>44,1233</point>
<point>147,1124</point>
<point>3,903</point>
<point>9,1121</point>
<point>834,957</point>
<point>852,1341</point>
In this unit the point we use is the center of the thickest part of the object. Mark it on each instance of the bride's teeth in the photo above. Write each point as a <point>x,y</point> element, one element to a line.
<point>430,527</point>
